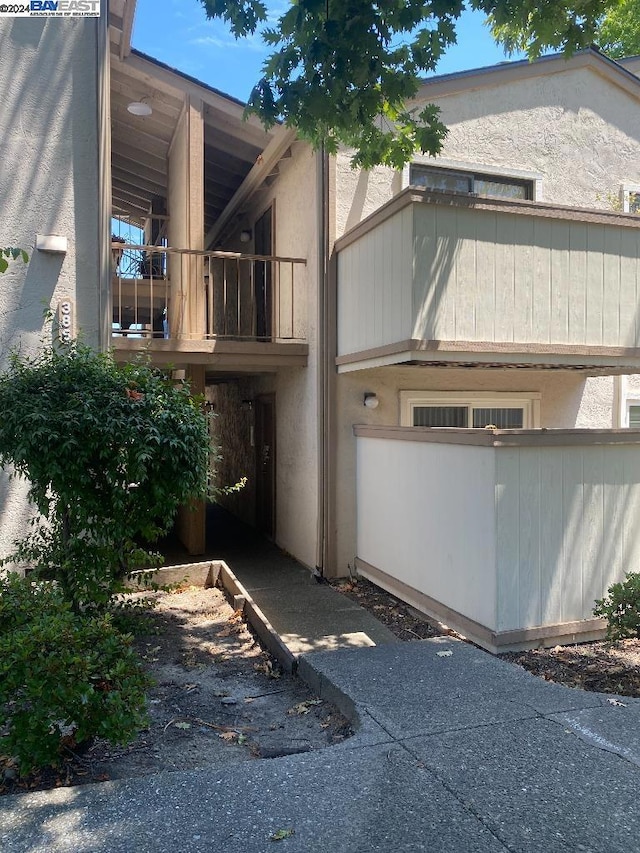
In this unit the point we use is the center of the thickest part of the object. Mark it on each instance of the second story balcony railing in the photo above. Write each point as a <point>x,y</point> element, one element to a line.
<point>166,293</point>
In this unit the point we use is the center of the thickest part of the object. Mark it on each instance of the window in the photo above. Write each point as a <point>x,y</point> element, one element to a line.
<point>633,414</point>
<point>630,199</point>
<point>468,409</point>
<point>488,186</point>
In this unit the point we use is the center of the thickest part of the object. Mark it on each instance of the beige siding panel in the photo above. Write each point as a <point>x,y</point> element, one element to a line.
<point>524,282</point>
<point>445,272</point>
<point>611,286</point>
<point>504,267</point>
<point>466,274</point>
<point>374,294</point>
<point>485,292</point>
<point>429,285</point>
<point>551,536</point>
<point>594,542</point>
<point>566,521</point>
<point>594,285</point>
<point>507,497</point>
<point>576,283</point>
<point>560,292</point>
<point>542,255</point>
<point>529,591</point>
<point>572,509</point>
<point>629,324</point>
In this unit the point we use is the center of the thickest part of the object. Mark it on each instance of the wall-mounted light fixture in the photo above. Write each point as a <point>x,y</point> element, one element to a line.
<point>140,108</point>
<point>371,400</point>
<point>246,405</point>
<point>245,236</point>
<point>51,243</point>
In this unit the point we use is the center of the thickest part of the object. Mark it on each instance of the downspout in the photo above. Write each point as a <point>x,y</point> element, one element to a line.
<point>103,87</point>
<point>322,396</point>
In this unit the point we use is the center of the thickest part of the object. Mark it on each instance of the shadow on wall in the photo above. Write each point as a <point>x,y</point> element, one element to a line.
<point>362,194</point>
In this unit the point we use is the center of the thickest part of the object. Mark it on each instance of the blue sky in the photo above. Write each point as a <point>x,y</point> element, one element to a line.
<point>177,32</point>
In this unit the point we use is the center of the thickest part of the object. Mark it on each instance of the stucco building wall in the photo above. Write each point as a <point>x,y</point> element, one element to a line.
<point>49,184</point>
<point>296,228</point>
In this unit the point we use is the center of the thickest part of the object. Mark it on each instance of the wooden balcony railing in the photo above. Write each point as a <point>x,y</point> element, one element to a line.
<point>162,292</point>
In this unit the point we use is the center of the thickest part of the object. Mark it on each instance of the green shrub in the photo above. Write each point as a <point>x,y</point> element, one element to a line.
<point>110,452</point>
<point>64,678</point>
<point>621,608</point>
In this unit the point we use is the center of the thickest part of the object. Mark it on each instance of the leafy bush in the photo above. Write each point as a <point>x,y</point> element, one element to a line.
<point>111,451</point>
<point>621,608</point>
<point>64,678</point>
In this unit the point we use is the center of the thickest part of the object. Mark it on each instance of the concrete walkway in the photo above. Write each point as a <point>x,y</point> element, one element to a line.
<point>456,752</point>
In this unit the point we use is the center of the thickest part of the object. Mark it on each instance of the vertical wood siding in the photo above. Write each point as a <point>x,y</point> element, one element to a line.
<point>567,528</point>
<point>374,286</point>
<point>440,272</point>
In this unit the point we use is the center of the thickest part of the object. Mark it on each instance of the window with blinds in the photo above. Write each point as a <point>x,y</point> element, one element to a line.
<point>633,410</point>
<point>459,410</point>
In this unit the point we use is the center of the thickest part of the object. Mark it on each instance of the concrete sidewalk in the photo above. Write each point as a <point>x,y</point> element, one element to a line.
<point>455,752</point>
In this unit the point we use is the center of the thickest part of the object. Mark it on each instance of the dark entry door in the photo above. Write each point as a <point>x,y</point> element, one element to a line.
<point>265,438</point>
<point>263,237</point>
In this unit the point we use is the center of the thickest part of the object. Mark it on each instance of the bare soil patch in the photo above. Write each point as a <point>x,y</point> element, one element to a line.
<point>600,666</point>
<point>218,699</point>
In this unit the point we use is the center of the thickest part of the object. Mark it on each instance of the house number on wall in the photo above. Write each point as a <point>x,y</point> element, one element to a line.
<point>65,321</point>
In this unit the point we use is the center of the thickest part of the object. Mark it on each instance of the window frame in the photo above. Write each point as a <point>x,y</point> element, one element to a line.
<point>476,170</point>
<point>529,402</point>
<point>626,191</point>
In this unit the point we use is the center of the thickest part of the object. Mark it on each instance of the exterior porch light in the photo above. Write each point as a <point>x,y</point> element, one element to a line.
<point>371,400</point>
<point>245,236</point>
<point>140,108</point>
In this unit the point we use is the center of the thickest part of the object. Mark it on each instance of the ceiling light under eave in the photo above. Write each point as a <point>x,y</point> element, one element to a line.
<point>139,108</point>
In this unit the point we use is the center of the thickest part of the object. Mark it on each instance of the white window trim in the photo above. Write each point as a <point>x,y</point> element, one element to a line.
<point>478,168</point>
<point>625,191</point>
<point>528,401</point>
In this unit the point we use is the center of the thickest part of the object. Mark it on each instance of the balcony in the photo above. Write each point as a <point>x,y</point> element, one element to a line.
<point>225,308</point>
<point>443,278</point>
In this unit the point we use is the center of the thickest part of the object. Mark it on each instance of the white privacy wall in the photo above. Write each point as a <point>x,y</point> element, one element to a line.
<point>512,537</point>
<point>426,516</point>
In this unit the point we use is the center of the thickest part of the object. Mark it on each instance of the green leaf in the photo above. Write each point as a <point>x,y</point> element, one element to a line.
<point>281,834</point>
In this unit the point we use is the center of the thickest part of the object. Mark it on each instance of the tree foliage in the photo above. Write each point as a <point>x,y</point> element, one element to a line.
<point>10,253</point>
<point>343,71</point>
<point>619,31</point>
<point>534,26</point>
<point>110,453</point>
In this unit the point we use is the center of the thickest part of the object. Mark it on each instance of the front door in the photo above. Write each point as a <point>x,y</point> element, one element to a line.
<point>265,440</point>
<point>263,237</point>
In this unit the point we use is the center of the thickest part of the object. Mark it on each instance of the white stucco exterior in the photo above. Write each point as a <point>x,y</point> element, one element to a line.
<point>49,185</point>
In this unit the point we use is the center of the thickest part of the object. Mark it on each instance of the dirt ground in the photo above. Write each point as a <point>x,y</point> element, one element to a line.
<point>218,699</point>
<point>599,666</point>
